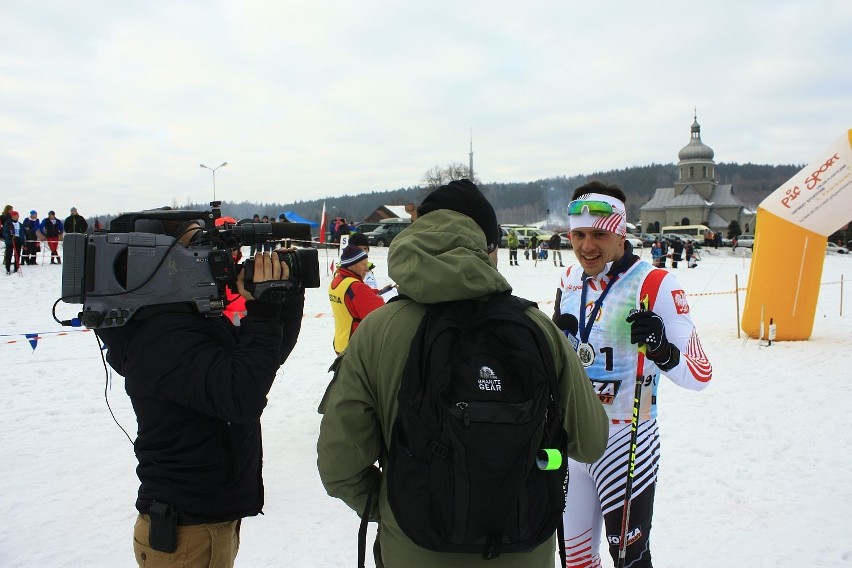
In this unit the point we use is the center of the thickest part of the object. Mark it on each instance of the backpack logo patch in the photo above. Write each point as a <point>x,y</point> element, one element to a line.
<point>488,380</point>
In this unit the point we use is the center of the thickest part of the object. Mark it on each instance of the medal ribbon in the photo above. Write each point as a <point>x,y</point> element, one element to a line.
<point>586,330</point>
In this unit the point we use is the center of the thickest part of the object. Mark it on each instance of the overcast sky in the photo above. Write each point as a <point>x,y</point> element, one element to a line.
<point>111,106</point>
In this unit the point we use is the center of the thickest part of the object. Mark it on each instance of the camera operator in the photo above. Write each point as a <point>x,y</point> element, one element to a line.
<point>198,386</point>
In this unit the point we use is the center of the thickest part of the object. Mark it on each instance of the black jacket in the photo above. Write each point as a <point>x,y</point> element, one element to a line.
<point>198,386</point>
<point>76,224</point>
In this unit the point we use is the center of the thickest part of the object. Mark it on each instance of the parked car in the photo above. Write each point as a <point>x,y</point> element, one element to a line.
<point>745,240</point>
<point>646,238</point>
<point>526,233</point>
<point>366,227</point>
<point>504,232</point>
<point>636,242</point>
<point>835,248</point>
<point>385,233</point>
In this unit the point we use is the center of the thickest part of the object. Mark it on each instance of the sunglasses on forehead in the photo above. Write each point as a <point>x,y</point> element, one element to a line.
<point>578,206</point>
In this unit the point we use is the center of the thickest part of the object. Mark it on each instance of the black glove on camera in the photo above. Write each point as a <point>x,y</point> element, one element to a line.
<point>648,328</point>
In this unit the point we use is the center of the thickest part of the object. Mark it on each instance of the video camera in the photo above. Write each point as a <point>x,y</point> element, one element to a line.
<point>135,264</point>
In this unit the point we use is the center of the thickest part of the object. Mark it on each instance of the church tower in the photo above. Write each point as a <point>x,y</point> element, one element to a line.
<point>696,165</point>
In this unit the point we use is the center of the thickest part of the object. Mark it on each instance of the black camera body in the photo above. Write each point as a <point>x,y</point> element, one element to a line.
<point>135,265</point>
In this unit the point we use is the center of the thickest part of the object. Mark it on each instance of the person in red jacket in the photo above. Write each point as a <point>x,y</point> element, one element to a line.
<point>351,299</point>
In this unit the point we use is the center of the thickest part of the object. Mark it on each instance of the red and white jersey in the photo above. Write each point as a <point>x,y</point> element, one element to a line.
<point>613,369</point>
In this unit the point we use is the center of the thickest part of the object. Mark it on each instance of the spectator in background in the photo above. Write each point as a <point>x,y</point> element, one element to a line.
<point>52,230</point>
<point>512,242</point>
<point>532,248</point>
<point>677,251</point>
<point>75,223</point>
<point>265,247</point>
<point>351,299</point>
<point>360,241</point>
<point>688,251</point>
<point>30,237</point>
<point>5,215</point>
<point>12,230</point>
<point>254,247</point>
<point>340,228</point>
<point>555,245</point>
<point>657,254</point>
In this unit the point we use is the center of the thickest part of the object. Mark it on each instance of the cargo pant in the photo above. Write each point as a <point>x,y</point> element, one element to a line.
<point>212,545</point>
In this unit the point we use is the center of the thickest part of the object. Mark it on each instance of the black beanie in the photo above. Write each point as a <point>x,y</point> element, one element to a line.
<point>464,197</point>
<point>358,240</point>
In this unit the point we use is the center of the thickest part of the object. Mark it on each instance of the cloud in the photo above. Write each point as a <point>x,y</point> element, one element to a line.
<point>114,106</point>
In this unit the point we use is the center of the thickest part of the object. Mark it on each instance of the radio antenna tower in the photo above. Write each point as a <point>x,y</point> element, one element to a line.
<point>470,166</point>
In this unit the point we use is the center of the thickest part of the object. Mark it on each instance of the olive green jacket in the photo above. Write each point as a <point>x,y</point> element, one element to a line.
<point>441,257</point>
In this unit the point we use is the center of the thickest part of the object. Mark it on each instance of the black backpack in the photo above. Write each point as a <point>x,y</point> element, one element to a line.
<point>478,403</point>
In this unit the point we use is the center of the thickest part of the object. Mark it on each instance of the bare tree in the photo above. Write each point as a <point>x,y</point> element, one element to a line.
<point>437,176</point>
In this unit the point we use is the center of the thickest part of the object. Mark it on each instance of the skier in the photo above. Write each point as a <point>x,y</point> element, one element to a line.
<point>605,336</point>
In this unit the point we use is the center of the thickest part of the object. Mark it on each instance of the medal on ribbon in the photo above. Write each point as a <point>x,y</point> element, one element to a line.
<point>586,353</point>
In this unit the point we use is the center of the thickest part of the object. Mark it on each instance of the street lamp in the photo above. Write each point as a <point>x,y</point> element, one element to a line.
<point>214,175</point>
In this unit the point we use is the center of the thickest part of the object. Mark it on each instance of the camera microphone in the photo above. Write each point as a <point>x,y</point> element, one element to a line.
<point>570,326</point>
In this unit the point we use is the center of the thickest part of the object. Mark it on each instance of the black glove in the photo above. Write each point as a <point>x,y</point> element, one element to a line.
<point>647,328</point>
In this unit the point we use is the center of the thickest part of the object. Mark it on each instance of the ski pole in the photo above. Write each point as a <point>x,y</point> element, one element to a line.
<point>631,451</point>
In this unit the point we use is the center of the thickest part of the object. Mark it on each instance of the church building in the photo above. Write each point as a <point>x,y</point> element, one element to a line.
<point>696,198</point>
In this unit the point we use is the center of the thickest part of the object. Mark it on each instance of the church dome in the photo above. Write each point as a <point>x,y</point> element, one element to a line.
<point>696,149</point>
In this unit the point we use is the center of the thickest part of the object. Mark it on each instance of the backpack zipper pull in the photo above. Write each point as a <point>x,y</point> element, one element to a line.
<point>465,416</point>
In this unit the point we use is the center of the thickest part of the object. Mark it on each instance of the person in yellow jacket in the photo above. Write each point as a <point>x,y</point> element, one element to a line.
<point>351,299</point>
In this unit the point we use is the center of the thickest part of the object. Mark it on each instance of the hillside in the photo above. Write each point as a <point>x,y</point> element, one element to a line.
<point>527,202</point>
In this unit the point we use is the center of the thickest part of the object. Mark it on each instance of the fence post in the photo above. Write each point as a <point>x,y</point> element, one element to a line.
<point>737,293</point>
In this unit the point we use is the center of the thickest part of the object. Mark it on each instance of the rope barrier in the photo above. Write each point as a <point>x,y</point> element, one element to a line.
<point>41,335</point>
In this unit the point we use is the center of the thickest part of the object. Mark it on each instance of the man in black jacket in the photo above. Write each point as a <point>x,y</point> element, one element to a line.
<point>75,223</point>
<point>555,246</point>
<point>677,251</point>
<point>198,386</point>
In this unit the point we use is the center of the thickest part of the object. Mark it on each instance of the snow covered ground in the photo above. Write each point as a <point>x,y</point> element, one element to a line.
<point>754,472</point>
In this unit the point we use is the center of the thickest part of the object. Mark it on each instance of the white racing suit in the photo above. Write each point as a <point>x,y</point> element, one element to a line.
<point>596,492</point>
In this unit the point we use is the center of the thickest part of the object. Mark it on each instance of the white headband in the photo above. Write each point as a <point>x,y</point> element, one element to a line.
<point>615,223</point>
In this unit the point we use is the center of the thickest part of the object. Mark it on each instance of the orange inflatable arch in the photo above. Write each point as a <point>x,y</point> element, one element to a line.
<point>792,229</point>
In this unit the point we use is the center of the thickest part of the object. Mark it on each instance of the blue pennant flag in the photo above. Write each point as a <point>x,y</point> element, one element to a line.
<point>33,339</point>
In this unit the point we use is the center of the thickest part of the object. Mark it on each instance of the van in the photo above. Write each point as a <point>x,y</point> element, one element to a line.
<point>695,232</point>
